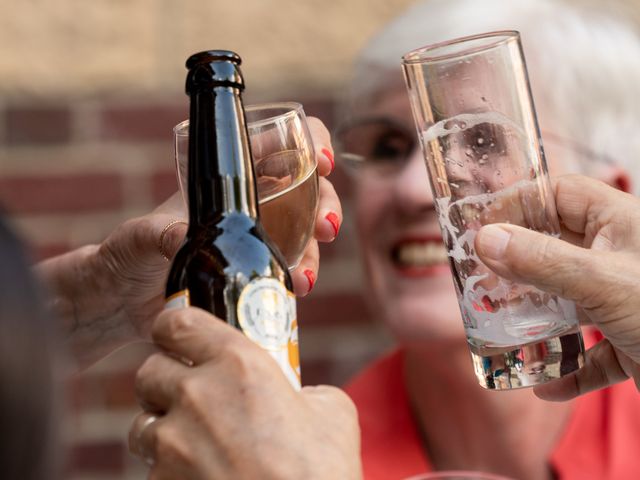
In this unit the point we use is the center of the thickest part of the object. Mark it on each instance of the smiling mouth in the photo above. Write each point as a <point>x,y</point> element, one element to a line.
<point>419,254</point>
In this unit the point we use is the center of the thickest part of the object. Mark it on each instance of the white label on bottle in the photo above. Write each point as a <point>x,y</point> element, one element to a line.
<point>178,300</point>
<point>266,314</point>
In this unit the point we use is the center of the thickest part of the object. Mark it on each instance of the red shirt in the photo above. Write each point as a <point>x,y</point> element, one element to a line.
<point>600,442</point>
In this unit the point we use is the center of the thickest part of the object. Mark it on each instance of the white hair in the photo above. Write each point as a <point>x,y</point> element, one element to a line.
<point>584,66</point>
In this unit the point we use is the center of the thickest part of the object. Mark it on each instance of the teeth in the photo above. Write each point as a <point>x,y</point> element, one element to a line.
<point>422,254</point>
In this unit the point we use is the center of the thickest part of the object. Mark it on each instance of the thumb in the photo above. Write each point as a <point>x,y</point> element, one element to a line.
<point>548,263</point>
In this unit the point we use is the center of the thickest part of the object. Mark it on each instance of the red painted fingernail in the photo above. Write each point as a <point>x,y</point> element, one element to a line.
<point>329,155</point>
<point>311,278</point>
<point>335,223</point>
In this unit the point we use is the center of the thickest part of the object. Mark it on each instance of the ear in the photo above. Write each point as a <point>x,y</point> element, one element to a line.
<point>616,177</point>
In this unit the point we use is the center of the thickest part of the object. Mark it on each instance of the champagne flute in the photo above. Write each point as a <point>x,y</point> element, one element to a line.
<point>285,170</point>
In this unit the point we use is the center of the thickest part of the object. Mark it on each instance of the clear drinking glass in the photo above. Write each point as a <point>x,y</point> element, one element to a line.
<point>286,173</point>
<point>478,131</point>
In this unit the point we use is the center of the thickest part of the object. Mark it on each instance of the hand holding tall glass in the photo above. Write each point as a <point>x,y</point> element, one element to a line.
<point>478,130</point>
<point>286,173</point>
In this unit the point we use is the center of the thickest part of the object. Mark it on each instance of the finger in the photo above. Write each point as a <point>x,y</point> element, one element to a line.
<point>602,368</point>
<point>329,216</point>
<point>581,200</point>
<point>195,334</point>
<point>548,263</point>
<point>156,382</point>
<point>322,146</point>
<point>330,398</point>
<point>306,273</point>
<point>142,437</point>
<point>572,237</point>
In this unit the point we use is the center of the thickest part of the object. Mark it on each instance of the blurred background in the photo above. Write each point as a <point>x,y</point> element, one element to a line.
<point>89,92</point>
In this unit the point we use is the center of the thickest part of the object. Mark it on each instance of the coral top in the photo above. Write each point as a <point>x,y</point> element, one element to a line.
<point>601,440</point>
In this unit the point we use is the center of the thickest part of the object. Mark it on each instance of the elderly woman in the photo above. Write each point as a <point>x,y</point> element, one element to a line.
<point>420,407</point>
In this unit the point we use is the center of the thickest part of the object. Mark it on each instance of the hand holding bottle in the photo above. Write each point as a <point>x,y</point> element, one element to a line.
<point>233,414</point>
<point>107,295</point>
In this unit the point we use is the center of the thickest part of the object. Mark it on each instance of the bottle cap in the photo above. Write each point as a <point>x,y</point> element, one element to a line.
<point>213,68</point>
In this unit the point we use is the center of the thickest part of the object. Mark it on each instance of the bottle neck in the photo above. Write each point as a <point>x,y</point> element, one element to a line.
<point>221,178</point>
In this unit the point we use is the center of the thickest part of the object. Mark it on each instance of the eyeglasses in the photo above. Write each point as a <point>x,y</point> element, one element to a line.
<point>384,145</point>
<point>376,142</point>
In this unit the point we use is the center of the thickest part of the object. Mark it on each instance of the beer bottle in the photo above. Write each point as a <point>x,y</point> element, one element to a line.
<point>227,264</point>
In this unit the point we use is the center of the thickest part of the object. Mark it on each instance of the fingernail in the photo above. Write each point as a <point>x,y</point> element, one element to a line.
<point>327,153</point>
<point>332,218</point>
<point>493,241</point>
<point>311,278</point>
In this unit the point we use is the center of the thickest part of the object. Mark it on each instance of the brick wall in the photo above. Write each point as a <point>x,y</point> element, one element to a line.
<point>71,171</point>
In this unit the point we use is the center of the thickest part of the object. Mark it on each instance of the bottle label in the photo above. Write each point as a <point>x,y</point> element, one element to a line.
<point>267,315</point>
<point>178,300</point>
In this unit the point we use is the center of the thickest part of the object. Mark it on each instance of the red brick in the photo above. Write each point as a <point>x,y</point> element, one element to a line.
<point>316,372</point>
<point>144,122</point>
<point>39,125</point>
<point>333,309</point>
<point>64,194</point>
<point>112,391</point>
<point>163,184</point>
<point>119,391</point>
<point>105,457</point>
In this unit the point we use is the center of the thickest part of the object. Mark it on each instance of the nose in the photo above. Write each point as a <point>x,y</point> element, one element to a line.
<point>412,192</point>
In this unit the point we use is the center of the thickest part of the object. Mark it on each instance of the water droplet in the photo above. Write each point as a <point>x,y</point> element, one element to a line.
<point>480,141</point>
<point>468,152</point>
<point>484,156</point>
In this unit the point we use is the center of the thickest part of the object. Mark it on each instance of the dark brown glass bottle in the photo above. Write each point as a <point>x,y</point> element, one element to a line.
<point>227,264</point>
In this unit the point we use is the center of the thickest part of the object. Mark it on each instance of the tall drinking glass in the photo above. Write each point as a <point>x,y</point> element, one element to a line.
<point>478,131</point>
<point>286,173</point>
